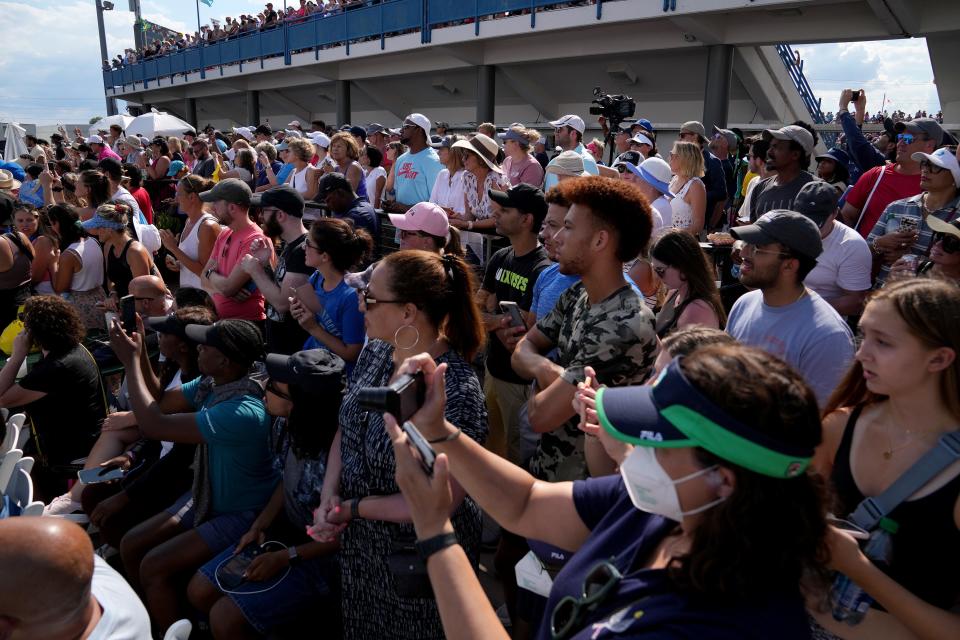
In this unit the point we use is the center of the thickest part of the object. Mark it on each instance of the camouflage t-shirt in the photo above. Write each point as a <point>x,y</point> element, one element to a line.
<point>617,338</point>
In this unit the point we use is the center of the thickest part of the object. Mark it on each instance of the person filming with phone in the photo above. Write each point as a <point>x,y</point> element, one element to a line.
<point>679,543</point>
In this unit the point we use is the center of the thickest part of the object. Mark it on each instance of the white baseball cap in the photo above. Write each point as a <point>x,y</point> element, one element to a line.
<point>641,139</point>
<point>245,132</point>
<point>94,139</point>
<point>941,158</point>
<point>570,120</point>
<point>321,140</point>
<point>421,121</point>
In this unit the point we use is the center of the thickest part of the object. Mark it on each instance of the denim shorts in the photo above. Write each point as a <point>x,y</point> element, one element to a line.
<point>306,586</point>
<point>218,532</point>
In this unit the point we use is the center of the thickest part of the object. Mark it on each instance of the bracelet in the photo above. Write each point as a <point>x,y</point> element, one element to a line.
<point>430,546</point>
<point>355,509</point>
<point>450,437</point>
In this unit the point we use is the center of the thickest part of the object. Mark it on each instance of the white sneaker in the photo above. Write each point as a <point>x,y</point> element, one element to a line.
<point>62,505</point>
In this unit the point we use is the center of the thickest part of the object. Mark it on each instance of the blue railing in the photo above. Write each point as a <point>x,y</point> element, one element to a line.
<point>377,21</point>
<point>810,101</point>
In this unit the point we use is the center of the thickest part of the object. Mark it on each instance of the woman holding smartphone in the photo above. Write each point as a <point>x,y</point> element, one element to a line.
<point>416,301</point>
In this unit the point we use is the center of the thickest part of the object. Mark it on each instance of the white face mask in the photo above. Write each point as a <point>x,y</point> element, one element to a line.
<point>652,490</point>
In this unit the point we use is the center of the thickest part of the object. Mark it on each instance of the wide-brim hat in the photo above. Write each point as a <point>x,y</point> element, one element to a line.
<point>484,147</point>
<point>7,181</point>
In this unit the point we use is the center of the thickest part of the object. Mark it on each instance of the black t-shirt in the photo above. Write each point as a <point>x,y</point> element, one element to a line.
<point>511,277</point>
<point>767,196</point>
<point>205,168</point>
<point>284,333</point>
<point>69,417</point>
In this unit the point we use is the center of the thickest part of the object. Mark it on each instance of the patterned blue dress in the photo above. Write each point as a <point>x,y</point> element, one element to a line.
<point>372,609</point>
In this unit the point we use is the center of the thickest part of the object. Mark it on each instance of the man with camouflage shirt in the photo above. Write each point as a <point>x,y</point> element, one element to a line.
<point>599,322</point>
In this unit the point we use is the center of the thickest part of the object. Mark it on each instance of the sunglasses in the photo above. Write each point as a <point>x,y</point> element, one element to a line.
<point>569,613</point>
<point>272,388</point>
<point>948,242</point>
<point>906,138</point>
<point>929,167</point>
<point>369,302</point>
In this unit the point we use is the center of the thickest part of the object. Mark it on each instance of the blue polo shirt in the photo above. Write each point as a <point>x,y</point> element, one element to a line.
<point>242,477</point>
<point>646,605</point>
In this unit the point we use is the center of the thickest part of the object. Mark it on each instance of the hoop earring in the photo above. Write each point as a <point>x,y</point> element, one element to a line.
<point>416,340</point>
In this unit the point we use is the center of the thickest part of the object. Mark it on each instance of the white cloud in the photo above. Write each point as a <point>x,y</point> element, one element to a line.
<point>899,70</point>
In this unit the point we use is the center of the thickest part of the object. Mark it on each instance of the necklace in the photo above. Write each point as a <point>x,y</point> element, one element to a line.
<point>910,440</point>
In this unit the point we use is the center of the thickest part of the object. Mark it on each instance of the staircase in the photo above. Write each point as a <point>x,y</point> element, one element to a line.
<point>795,71</point>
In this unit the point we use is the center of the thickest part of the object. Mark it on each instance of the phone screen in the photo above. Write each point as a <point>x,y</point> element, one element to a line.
<point>128,313</point>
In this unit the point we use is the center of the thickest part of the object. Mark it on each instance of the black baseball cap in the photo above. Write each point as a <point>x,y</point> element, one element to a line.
<point>817,200</point>
<point>313,370</point>
<point>358,131</point>
<point>332,182</point>
<point>524,197</point>
<point>238,340</point>
<point>375,127</point>
<point>264,130</point>
<point>283,197</point>
<point>168,324</point>
<point>789,228</point>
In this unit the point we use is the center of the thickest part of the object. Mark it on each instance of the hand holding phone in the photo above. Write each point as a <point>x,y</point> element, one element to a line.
<point>98,475</point>
<point>427,455</point>
<point>128,314</point>
<point>512,309</point>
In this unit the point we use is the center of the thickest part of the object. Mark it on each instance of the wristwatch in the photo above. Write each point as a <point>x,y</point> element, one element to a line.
<point>355,509</point>
<point>293,556</point>
<point>428,547</point>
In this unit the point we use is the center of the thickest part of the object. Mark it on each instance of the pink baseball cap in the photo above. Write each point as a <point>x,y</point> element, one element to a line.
<point>423,216</point>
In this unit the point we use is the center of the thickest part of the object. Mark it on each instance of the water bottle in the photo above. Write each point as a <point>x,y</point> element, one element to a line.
<point>850,602</point>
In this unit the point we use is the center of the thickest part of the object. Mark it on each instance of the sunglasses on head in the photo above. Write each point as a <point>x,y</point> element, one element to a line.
<point>948,242</point>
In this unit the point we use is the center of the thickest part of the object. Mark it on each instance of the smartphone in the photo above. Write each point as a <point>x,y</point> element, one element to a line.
<point>848,527</point>
<point>427,455</point>
<point>128,313</point>
<point>513,310</point>
<point>97,475</point>
<point>52,167</point>
<point>401,399</point>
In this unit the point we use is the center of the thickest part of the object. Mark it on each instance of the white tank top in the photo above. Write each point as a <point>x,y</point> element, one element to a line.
<point>190,245</point>
<point>299,179</point>
<point>682,211</point>
<point>90,275</point>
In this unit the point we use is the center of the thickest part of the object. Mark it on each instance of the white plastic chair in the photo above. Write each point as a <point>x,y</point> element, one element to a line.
<point>24,436</point>
<point>21,493</point>
<point>8,464</point>
<point>26,463</point>
<point>11,439</point>
<point>179,630</point>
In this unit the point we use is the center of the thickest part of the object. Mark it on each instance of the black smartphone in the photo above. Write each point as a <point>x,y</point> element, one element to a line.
<point>513,310</point>
<point>97,475</point>
<point>52,167</point>
<point>427,455</point>
<point>401,399</point>
<point>128,313</point>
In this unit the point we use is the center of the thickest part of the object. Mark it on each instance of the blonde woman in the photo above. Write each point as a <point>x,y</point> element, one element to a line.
<point>520,165</point>
<point>304,177</point>
<point>345,154</point>
<point>690,204</point>
<point>176,148</point>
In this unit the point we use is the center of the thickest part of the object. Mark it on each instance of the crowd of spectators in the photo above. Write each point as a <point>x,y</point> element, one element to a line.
<point>896,116</point>
<point>644,384</point>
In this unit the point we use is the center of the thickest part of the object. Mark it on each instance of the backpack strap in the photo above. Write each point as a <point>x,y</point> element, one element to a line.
<point>869,512</point>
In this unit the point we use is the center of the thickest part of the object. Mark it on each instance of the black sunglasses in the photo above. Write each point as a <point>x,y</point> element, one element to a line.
<point>948,242</point>
<point>569,614</point>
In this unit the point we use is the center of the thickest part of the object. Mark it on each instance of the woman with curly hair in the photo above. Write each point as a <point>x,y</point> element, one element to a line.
<point>62,393</point>
<point>345,154</point>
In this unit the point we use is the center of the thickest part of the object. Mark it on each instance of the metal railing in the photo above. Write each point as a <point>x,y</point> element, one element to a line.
<point>810,101</point>
<point>357,24</point>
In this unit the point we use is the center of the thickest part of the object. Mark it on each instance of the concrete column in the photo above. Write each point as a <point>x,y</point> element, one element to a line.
<point>943,55</point>
<point>190,111</point>
<point>486,93</point>
<point>716,103</point>
<point>111,106</point>
<point>343,102</point>
<point>253,108</point>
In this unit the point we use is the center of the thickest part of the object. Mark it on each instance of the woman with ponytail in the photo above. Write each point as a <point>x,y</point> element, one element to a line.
<point>333,317</point>
<point>126,258</point>
<point>415,302</point>
<point>78,272</point>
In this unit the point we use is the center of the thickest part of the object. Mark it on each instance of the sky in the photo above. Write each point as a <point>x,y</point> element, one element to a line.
<point>55,74</point>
